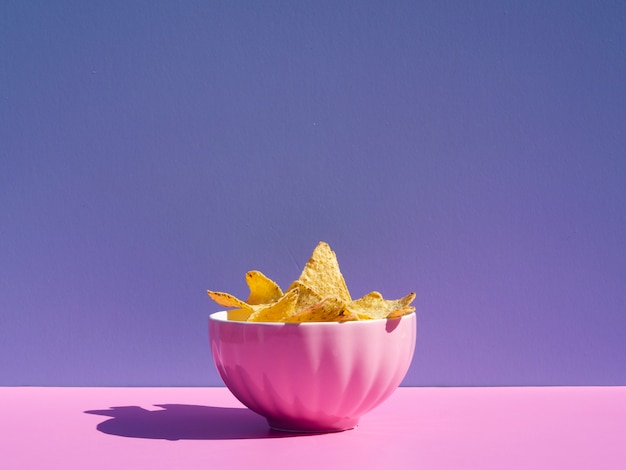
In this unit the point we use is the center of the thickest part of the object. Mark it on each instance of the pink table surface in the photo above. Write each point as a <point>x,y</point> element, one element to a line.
<point>423,428</point>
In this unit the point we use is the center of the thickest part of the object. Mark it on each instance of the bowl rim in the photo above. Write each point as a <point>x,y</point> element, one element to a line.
<point>221,316</point>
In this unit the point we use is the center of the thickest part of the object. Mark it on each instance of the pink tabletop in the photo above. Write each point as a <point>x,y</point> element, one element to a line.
<point>423,428</point>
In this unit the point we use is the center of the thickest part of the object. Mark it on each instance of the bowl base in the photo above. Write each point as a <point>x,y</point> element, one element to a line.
<point>298,427</point>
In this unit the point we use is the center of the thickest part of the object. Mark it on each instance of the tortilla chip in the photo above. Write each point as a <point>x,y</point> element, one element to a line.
<point>228,300</point>
<point>321,274</point>
<point>277,311</point>
<point>239,314</point>
<point>329,309</point>
<point>306,296</point>
<point>374,307</point>
<point>262,289</point>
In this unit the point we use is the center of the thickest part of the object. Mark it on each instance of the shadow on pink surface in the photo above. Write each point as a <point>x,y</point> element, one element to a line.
<point>175,422</point>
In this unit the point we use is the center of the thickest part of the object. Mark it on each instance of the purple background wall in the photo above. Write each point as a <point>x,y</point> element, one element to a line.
<point>474,152</point>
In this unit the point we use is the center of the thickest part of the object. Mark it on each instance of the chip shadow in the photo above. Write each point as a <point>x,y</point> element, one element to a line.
<point>192,422</point>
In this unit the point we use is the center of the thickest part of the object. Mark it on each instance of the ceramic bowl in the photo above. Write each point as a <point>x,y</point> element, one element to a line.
<point>312,377</point>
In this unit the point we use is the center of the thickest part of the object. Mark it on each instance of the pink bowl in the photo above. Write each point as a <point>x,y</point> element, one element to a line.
<point>312,377</point>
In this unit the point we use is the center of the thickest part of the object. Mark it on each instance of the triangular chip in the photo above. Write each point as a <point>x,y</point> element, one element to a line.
<point>242,310</point>
<point>262,289</point>
<point>321,274</point>
<point>228,300</point>
<point>373,306</point>
<point>239,314</point>
<point>306,296</point>
<point>329,309</point>
<point>277,311</point>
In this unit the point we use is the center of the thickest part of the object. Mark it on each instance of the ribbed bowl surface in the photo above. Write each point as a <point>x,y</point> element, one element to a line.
<point>312,377</point>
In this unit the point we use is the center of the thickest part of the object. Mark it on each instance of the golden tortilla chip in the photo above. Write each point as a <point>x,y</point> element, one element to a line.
<point>321,274</point>
<point>329,309</point>
<point>306,296</point>
<point>277,311</point>
<point>239,314</point>
<point>262,289</point>
<point>374,307</point>
<point>228,300</point>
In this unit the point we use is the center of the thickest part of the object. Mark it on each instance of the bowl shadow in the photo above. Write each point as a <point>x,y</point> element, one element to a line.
<point>191,422</point>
